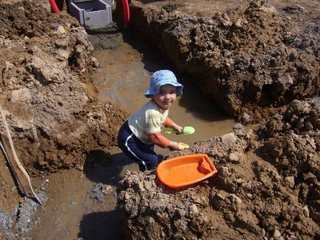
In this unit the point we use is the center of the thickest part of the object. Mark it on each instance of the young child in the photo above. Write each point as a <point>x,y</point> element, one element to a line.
<point>138,135</point>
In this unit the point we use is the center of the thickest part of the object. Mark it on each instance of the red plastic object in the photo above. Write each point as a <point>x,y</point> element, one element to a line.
<point>185,170</point>
<point>126,13</point>
<point>54,6</point>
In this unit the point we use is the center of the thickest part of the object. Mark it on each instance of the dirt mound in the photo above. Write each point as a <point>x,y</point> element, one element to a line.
<point>46,63</point>
<point>292,145</point>
<point>267,186</point>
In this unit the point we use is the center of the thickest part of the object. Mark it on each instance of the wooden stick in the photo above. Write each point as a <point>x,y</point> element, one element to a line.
<point>16,157</point>
<point>12,169</point>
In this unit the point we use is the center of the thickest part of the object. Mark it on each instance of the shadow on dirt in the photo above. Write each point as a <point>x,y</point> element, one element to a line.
<point>200,106</point>
<point>152,57</point>
<point>101,225</point>
<point>106,168</point>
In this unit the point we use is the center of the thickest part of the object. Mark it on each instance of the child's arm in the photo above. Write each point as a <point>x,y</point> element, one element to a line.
<point>173,125</point>
<point>163,142</point>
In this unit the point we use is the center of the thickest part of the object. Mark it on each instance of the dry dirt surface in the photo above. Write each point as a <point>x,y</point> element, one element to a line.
<point>259,60</point>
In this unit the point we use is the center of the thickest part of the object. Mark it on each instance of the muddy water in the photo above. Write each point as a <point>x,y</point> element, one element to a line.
<point>82,204</point>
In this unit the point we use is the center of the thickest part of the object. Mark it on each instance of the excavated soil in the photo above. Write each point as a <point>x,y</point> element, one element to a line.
<point>258,60</point>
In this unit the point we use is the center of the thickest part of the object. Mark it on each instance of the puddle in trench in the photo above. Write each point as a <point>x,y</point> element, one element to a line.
<point>73,210</point>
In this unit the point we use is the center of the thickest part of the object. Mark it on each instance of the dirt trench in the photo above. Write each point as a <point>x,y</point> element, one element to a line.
<point>268,182</point>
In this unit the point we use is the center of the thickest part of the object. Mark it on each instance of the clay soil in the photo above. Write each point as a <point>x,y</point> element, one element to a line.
<point>258,60</point>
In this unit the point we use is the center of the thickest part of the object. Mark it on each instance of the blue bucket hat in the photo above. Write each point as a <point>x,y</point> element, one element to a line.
<point>160,78</point>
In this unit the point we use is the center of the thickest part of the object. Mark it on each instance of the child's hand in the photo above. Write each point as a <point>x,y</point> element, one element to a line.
<point>174,146</point>
<point>178,128</point>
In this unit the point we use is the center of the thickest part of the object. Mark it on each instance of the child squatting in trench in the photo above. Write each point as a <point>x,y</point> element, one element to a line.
<point>142,131</point>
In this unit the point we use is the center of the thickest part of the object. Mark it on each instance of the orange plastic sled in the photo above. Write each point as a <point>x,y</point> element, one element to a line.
<point>185,170</point>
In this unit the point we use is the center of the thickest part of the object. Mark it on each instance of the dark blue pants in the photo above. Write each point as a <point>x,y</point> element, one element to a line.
<point>140,152</point>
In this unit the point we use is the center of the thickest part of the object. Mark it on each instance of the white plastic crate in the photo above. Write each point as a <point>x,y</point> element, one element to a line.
<point>92,15</point>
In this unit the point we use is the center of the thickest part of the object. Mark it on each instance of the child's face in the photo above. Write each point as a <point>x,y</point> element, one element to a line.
<point>166,96</point>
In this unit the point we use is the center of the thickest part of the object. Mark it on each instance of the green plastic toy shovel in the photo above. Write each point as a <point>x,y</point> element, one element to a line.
<point>187,130</point>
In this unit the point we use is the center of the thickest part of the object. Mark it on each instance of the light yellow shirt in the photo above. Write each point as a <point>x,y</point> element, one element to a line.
<point>149,119</point>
